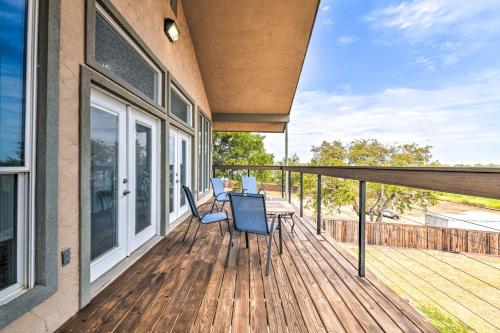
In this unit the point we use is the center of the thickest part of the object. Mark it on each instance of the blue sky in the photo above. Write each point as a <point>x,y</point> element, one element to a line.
<point>402,71</point>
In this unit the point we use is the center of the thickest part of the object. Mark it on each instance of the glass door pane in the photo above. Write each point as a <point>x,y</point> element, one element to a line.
<point>104,182</point>
<point>183,169</point>
<point>8,230</point>
<point>143,174</point>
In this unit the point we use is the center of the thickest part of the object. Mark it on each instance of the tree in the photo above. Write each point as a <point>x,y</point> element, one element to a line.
<point>338,192</point>
<point>235,148</point>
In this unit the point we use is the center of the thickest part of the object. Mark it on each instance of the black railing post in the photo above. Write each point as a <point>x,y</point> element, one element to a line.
<point>301,194</point>
<point>248,172</point>
<point>318,208</point>
<point>282,182</point>
<point>361,228</point>
<point>289,186</point>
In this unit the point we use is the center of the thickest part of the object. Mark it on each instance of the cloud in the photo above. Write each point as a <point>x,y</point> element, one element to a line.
<point>325,7</point>
<point>460,121</point>
<point>346,40</point>
<point>328,21</point>
<point>449,29</point>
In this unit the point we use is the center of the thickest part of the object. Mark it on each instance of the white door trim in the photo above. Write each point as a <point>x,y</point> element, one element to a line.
<point>136,240</point>
<point>179,137</point>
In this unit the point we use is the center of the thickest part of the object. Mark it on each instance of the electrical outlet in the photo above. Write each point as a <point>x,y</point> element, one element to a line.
<point>66,256</point>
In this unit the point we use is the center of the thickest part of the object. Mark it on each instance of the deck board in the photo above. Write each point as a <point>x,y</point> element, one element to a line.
<point>311,287</point>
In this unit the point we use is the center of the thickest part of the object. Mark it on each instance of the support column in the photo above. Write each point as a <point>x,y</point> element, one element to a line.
<point>301,194</point>
<point>361,228</point>
<point>318,207</point>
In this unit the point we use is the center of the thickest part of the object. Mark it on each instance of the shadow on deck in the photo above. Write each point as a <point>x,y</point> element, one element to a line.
<point>312,287</point>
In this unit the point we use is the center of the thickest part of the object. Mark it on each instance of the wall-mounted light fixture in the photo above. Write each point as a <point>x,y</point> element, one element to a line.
<point>171,29</point>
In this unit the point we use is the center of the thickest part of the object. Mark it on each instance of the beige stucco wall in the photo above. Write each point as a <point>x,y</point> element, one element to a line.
<point>146,17</point>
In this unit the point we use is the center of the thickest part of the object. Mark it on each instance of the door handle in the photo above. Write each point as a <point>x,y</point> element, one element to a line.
<point>126,192</point>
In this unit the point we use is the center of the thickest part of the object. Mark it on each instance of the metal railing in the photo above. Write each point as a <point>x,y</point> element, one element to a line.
<point>483,182</point>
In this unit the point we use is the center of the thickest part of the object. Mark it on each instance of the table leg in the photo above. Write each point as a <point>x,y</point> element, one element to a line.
<point>280,233</point>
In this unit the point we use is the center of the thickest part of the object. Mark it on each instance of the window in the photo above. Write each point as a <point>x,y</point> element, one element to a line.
<point>17,73</point>
<point>204,153</point>
<point>180,106</point>
<point>117,53</point>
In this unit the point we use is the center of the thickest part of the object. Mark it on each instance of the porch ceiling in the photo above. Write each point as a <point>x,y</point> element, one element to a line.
<point>250,55</point>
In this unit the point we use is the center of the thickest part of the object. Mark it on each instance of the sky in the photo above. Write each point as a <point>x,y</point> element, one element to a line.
<point>423,71</point>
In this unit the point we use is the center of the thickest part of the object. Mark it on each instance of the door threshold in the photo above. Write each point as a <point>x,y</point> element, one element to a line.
<point>104,280</point>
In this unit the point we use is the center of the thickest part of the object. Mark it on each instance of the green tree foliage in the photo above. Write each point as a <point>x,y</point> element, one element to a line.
<point>235,148</point>
<point>339,193</point>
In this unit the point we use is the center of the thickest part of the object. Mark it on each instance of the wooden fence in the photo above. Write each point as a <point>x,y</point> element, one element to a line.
<point>417,237</point>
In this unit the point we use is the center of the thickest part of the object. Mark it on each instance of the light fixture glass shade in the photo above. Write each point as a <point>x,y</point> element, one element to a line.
<point>171,30</point>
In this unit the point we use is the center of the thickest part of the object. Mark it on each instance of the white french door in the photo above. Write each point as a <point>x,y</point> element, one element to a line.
<point>143,176</point>
<point>179,156</point>
<point>123,181</point>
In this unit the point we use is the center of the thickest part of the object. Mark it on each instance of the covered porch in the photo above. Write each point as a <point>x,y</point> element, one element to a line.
<point>313,286</point>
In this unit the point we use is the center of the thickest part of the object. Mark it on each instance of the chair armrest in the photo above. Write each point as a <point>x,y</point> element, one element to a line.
<point>244,190</point>
<point>262,190</point>
<point>206,203</point>
<point>217,196</point>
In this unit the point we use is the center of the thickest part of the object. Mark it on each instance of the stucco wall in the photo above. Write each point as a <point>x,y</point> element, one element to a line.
<point>146,17</point>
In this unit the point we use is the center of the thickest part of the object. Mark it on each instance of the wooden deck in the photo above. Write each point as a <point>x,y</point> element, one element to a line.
<point>312,287</point>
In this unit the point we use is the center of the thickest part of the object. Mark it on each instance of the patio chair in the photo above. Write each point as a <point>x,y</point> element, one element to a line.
<point>249,216</point>
<point>202,219</point>
<point>219,194</point>
<point>249,185</point>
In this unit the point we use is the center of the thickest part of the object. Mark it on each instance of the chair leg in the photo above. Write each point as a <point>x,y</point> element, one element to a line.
<point>220,227</point>
<point>229,247</point>
<point>222,207</point>
<point>246,239</point>
<point>194,239</point>
<point>269,252</point>
<point>213,205</point>
<point>185,233</point>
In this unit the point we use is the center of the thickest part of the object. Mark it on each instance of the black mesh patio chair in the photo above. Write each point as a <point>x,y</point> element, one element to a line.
<point>249,216</point>
<point>202,219</point>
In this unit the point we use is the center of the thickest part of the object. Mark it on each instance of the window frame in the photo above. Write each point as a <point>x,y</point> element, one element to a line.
<point>204,152</point>
<point>124,30</point>
<point>25,175</point>
<point>173,86</point>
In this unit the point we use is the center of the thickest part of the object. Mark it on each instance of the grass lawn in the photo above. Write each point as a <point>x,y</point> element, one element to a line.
<point>468,200</point>
<point>463,298</point>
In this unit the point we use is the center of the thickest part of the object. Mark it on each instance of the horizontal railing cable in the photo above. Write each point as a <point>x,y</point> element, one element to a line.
<point>419,290</point>
<point>439,290</point>
<point>380,273</point>
<point>447,279</point>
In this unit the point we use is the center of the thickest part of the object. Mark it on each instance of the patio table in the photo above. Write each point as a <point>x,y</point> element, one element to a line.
<point>281,209</point>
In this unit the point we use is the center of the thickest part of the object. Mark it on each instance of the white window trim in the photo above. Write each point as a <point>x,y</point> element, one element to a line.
<point>204,146</point>
<point>187,101</point>
<point>25,213</point>
<point>133,45</point>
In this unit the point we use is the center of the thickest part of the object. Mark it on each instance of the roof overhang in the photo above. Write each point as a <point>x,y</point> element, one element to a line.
<point>250,55</point>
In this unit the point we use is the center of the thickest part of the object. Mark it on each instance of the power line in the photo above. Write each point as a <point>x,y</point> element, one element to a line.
<point>457,219</point>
